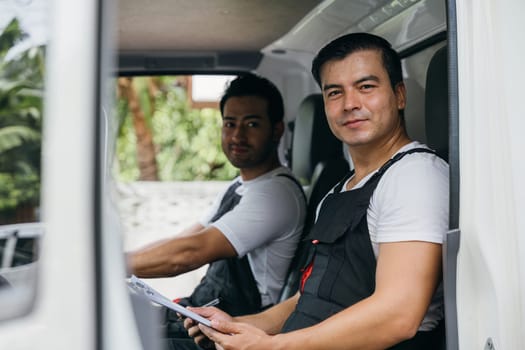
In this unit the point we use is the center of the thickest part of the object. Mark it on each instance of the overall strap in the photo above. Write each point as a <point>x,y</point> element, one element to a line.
<point>228,201</point>
<point>384,167</point>
<point>294,180</point>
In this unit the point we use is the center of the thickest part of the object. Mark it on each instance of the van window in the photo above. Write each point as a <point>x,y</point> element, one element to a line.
<point>168,164</point>
<point>23,37</point>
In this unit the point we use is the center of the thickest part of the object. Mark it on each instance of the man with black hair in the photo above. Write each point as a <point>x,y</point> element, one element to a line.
<point>373,277</point>
<point>250,233</point>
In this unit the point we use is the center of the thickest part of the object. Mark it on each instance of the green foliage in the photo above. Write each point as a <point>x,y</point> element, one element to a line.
<point>17,190</point>
<point>188,141</point>
<point>11,35</point>
<point>126,166</point>
<point>21,86</point>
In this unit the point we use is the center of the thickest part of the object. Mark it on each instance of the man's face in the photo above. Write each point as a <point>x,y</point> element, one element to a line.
<point>248,138</point>
<point>361,107</point>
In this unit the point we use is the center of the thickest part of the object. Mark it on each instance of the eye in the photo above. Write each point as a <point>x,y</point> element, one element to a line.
<point>253,124</point>
<point>366,87</point>
<point>333,93</point>
<point>228,124</point>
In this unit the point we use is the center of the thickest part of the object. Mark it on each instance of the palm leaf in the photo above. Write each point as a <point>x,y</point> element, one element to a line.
<point>11,35</point>
<point>15,136</point>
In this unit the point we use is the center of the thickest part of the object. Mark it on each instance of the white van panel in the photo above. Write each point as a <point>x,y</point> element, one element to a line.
<point>64,312</point>
<point>491,261</point>
<point>68,178</point>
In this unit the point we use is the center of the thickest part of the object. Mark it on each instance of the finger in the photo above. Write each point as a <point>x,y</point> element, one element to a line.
<point>221,331</point>
<point>216,338</point>
<point>194,331</point>
<point>226,327</point>
<point>188,323</point>
<point>204,342</point>
<point>213,335</point>
<point>200,339</point>
<point>204,311</point>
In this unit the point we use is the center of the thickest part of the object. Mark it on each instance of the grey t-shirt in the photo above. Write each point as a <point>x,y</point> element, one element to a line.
<point>266,225</point>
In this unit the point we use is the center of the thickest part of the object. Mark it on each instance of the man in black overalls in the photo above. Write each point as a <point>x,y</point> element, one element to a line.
<point>252,232</point>
<point>372,280</point>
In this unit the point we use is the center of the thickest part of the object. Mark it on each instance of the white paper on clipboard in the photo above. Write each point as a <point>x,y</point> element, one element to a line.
<point>143,288</point>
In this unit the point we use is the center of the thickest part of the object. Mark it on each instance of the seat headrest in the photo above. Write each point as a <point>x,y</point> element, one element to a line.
<point>313,141</point>
<point>436,103</point>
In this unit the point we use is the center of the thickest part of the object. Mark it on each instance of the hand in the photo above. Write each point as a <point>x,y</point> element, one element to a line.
<point>211,313</point>
<point>228,335</point>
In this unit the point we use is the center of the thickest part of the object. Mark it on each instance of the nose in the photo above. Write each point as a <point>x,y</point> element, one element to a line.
<point>351,100</point>
<point>238,133</point>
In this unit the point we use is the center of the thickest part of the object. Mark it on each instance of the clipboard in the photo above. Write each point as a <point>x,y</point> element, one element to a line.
<point>142,288</point>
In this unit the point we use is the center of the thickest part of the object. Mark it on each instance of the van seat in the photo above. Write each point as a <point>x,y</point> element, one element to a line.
<point>313,141</point>
<point>436,103</point>
<point>436,119</point>
<point>318,162</point>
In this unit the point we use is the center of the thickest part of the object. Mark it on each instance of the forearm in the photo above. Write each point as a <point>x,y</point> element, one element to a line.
<point>369,324</point>
<point>166,259</point>
<point>181,254</point>
<point>272,320</point>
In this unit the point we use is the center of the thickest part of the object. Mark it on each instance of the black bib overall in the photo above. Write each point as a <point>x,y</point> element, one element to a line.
<point>342,264</point>
<point>230,280</point>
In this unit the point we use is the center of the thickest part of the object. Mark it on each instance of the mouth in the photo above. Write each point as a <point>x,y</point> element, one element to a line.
<point>353,123</point>
<point>239,149</point>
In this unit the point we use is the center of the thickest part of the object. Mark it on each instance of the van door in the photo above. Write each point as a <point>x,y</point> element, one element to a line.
<point>76,297</point>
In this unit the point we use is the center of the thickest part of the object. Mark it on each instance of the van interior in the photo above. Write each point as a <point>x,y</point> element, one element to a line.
<point>278,40</point>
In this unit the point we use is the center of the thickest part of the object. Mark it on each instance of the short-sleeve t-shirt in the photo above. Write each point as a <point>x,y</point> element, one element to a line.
<point>266,226</point>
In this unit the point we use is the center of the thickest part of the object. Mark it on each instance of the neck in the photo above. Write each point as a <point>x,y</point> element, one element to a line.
<point>367,159</point>
<point>256,171</point>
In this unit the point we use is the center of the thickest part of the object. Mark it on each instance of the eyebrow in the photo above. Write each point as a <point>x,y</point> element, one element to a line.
<point>246,117</point>
<point>331,86</point>
<point>358,81</point>
<point>367,78</point>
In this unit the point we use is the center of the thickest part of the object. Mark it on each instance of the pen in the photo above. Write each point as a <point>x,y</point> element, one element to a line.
<point>212,303</point>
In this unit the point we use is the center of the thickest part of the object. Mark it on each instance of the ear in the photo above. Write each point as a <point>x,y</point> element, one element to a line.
<point>401,95</point>
<point>278,130</point>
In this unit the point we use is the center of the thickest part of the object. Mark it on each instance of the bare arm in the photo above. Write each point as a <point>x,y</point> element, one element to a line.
<point>192,230</point>
<point>406,277</point>
<point>178,255</point>
<point>188,231</point>
<point>272,320</point>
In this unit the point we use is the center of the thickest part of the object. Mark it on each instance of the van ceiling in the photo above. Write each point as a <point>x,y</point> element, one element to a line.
<point>206,25</point>
<point>169,36</point>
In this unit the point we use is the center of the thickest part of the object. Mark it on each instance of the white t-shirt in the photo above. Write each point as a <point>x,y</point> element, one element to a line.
<point>266,225</point>
<point>411,203</point>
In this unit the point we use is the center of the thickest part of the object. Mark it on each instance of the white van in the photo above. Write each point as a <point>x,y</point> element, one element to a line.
<point>77,298</point>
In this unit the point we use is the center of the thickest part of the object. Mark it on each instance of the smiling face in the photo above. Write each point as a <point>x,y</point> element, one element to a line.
<point>360,104</point>
<point>249,140</point>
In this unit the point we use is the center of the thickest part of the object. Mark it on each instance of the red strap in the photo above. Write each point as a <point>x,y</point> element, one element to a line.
<point>307,271</point>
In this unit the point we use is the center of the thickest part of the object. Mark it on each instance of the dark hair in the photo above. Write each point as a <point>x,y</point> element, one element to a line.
<point>252,85</point>
<point>347,44</point>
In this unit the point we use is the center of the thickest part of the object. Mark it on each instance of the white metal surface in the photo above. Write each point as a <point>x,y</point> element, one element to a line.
<point>63,316</point>
<point>491,262</point>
